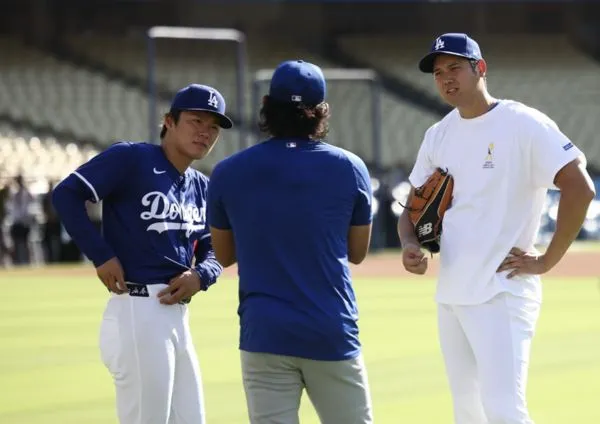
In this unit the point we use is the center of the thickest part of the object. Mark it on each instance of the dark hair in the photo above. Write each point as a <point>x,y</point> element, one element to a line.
<point>474,63</point>
<point>294,120</point>
<point>175,113</point>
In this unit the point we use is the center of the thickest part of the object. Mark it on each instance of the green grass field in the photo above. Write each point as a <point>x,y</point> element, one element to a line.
<point>50,370</point>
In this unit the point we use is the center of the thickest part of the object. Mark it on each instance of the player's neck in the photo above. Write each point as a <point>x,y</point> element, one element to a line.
<point>481,104</point>
<point>179,161</point>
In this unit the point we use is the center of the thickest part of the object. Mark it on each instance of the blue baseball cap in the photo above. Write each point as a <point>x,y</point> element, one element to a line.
<point>202,98</point>
<point>297,81</point>
<point>452,43</point>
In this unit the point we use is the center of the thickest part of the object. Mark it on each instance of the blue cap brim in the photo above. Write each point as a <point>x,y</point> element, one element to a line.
<point>426,64</point>
<point>224,120</point>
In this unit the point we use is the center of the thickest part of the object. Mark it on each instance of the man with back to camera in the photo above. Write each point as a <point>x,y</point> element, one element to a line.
<point>154,254</point>
<point>503,156</point>
<point>293,211</point>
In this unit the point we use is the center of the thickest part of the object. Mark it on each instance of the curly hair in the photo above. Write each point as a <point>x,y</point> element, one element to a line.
<point>294,120</point>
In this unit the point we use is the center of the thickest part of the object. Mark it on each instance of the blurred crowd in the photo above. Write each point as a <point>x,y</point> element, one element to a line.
<point>31,232</point>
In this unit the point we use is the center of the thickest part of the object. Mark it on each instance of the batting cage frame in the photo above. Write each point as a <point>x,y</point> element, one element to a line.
<point>369,76</point>
<point>198,33</point>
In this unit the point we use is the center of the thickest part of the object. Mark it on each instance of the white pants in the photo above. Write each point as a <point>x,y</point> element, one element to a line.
<point>148,349</point>
<point>486,350</point>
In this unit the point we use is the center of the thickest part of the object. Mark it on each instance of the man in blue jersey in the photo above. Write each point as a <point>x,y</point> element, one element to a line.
<point>293,211</point>
<point>154,254</point>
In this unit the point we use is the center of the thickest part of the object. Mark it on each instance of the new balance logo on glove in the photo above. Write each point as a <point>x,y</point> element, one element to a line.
<point>425,229</point>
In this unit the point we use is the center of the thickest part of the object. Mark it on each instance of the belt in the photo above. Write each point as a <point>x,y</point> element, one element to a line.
<point>145,290</point>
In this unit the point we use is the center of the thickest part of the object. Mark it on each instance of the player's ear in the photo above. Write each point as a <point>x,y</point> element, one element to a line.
<point>264,100</point>
<point>168,120</point>
<point>481,67</point>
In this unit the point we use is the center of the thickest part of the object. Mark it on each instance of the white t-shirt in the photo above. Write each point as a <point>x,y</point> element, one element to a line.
<point>502,162</point>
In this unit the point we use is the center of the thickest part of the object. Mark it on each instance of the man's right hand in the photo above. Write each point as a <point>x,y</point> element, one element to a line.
<point>414,259</point>
<point>112,276</point>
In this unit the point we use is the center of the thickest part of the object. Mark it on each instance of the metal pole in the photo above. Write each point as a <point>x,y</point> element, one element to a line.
<point>379,231</point>
<point>152,89</point>
<point>256,105</point>
<point>241,89</point>
<point>376,117</point>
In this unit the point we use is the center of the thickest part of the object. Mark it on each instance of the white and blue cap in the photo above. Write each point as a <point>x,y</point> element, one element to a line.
<point>452,43</point>
<point>199,97</point>
<point>297,81</point>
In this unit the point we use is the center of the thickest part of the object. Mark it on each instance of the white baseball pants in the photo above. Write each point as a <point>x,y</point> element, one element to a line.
<point>148,349</point>
<point>486,350</point>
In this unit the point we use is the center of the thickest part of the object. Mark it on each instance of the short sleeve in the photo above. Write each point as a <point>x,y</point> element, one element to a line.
<point>216,213</point>
<point>105,172</point>
<point>362,213</point>
<point>423,166</point>
<point>551,150</point>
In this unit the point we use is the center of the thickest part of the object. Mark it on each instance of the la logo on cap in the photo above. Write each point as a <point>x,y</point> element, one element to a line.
<point>439,44</point>
<point>212,100</point>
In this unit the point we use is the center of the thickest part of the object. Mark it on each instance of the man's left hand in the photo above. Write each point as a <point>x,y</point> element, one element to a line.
<point>184,286</point>
<point>520,262</point>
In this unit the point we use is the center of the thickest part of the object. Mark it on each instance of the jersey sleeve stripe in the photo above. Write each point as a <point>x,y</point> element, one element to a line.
<point>87,183</point>
<point>205,236</point>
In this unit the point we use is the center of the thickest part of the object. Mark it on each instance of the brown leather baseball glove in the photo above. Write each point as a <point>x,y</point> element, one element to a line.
<point>427,206</point>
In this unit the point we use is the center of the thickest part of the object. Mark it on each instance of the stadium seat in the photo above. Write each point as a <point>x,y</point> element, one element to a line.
<point>544,71</point>
<point>214,64</point>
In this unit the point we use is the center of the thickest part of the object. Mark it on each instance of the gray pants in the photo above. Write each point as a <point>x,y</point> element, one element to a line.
<point>338,390</point>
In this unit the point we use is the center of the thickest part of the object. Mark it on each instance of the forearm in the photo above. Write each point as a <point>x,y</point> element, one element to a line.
<point>572,208</point>
<point>70,206</point>
<point>209,271</point>
<point>208,268</point>
<point>406,230</point>
<point>229,260</point>
<point>224,246</point>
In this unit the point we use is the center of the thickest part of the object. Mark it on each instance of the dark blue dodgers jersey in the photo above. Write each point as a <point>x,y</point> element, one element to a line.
<point>289,205</point>
<point>152,216</point>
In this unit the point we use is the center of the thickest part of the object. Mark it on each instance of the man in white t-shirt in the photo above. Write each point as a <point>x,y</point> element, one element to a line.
<point>504,156</point>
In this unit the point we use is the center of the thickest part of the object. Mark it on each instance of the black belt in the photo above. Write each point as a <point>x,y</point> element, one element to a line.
<point>141,290</point>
